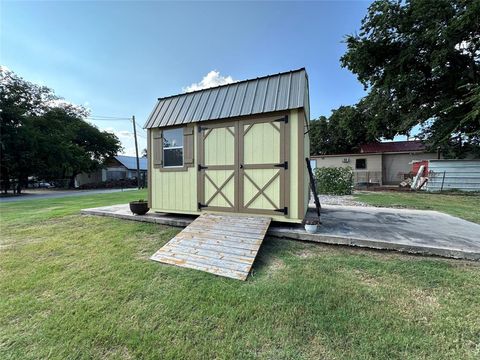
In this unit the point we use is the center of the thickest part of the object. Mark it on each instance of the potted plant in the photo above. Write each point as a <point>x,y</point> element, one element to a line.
<point>311,225</point>
<point>139,207</point>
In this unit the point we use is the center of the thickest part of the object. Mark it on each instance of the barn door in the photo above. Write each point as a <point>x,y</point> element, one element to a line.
<point>262,166</point>
<point>218,168</point>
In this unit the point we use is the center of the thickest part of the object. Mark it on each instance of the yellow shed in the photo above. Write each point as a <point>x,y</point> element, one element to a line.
<point>237,148</point>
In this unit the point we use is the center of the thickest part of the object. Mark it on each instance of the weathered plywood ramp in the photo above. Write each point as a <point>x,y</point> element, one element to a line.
<point>223,245</point>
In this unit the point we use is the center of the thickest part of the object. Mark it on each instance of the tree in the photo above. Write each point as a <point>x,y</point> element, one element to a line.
<point>42,135</point>
<point>342,132</point>
<point>420,61</point>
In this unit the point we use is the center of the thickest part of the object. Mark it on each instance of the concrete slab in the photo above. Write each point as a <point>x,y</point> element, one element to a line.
<point>413,231</point>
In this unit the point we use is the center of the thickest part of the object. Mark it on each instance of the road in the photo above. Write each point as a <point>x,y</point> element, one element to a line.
<point>52,194</point>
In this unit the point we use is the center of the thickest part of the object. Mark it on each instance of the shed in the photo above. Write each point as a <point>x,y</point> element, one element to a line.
<point>236,148</point>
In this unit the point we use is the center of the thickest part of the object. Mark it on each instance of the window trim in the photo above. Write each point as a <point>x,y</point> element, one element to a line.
<point>173,167</point>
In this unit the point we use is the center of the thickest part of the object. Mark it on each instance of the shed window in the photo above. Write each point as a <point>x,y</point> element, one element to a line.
<point>173,148</point>
<point>361,164</point>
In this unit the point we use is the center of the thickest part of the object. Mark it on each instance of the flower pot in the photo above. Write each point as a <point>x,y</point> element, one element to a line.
<point>311,229</point>
<point>139,207</point>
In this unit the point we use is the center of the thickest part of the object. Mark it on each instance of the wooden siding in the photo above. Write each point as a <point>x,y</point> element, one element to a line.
<point>174,191</point>
<point>177,191</point>
<point>294,191</point>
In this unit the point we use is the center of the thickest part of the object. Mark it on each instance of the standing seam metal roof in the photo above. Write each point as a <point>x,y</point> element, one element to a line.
<point>283,91</point>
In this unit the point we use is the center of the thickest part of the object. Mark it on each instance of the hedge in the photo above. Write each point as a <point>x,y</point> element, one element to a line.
<point>334,180</point>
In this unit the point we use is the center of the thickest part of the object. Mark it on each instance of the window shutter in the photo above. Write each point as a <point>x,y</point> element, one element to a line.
<point>157,148</point>
<point>188,149</point>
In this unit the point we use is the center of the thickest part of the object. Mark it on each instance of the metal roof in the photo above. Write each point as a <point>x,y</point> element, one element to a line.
<point>393,146</point>
<point>130,162</point>
<point>283,91</point>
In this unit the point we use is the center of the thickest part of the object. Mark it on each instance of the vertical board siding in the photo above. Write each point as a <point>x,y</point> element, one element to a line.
<point>294,166</point>
<point>177,191</point>
<point>174,191</point>
<point>259,142</point>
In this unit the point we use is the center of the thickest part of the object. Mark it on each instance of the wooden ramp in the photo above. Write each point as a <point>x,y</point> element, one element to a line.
<point>224,245</point>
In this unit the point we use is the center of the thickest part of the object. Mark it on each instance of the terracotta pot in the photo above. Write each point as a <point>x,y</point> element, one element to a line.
<point>139,207</point>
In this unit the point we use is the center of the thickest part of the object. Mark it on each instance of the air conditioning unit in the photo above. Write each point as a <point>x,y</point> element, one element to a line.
<point>346,160</point>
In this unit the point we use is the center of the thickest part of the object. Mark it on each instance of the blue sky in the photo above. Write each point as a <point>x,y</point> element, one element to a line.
<point>117,58</point>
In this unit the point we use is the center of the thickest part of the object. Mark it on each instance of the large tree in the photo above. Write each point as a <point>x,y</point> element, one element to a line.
<point>42,135</point>
<point>420,62</point>
<point>343,132</point>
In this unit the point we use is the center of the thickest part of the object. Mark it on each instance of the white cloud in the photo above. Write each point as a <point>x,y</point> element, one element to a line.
<point>213,78</point>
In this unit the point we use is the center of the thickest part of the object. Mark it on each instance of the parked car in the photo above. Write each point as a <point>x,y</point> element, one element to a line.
<point>45,185</point>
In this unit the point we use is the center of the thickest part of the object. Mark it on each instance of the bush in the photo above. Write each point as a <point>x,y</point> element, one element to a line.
<point>334,180</point>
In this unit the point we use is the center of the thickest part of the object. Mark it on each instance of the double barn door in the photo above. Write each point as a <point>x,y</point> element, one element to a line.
<point>243,165</point>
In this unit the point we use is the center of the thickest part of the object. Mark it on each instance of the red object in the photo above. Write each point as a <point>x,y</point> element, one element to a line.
<point>416,166</point>
<point>393,146</point>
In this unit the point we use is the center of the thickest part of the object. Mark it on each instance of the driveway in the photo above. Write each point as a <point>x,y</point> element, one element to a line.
<point>34,194</point>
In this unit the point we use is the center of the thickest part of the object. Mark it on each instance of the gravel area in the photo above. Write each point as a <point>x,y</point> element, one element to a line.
<point>345,200</point>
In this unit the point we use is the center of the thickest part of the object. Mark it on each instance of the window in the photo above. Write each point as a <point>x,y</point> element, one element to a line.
<point>173,148</point>
<point>361,164</point>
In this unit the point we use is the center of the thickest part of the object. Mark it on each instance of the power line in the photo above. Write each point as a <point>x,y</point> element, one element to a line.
<point>110,117</point>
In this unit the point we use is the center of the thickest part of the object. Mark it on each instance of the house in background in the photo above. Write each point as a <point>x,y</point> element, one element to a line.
<point>237,148</point>
<point>120,167</point>
<point>382,163</point>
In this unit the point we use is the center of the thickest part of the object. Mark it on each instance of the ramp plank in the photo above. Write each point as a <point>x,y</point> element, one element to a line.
<point>224,245</point>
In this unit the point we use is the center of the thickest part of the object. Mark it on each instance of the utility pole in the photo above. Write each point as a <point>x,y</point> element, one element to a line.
<point>136,151</point>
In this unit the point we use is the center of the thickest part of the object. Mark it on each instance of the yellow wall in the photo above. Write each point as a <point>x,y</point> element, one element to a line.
<point>176,191</point>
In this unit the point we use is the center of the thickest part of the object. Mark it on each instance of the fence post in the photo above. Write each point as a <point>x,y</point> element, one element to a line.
<point>443,180</point>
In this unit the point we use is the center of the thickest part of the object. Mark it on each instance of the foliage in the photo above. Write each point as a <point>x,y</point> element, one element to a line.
<point>342,132</point>
<point>78,287</point>
<point>334,180</point>
<point>45,136</point>
<point>420,61</point>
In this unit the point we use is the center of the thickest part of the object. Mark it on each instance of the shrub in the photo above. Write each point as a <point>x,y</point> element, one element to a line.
<point>334,180</point>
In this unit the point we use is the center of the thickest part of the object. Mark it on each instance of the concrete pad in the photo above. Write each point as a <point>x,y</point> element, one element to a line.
<point>413,231</point>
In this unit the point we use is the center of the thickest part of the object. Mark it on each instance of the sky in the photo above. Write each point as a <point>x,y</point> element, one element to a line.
<point>117,58</point>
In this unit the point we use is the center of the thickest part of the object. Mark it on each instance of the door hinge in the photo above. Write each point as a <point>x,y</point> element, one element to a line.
<point>284,119</point>
<point>284,165</point>
<point>284,210</point>
<point>201,206</point>
<point>200,167</point>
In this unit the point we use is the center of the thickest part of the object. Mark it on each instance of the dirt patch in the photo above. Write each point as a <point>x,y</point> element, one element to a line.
<point>275,265</point>
<point>318,350</point>
<point>366,279</point>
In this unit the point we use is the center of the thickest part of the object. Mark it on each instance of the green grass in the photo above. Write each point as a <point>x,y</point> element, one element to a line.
<point>82,287</point>
<point>465,206</point>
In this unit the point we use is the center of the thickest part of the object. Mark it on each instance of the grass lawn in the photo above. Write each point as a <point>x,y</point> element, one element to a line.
<point>81,287</point>
<point>465,206</point>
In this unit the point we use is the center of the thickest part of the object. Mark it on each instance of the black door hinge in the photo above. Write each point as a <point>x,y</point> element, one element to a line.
<point>284,119</point>
<point>200,167</point>
<point>284,210</point>
<point>201,206</point>
<point>284,165</point>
